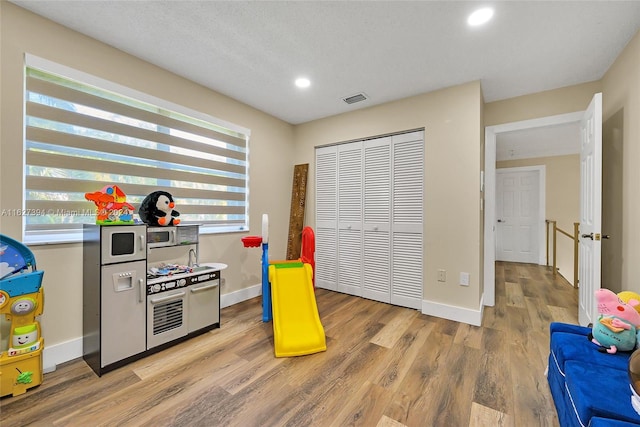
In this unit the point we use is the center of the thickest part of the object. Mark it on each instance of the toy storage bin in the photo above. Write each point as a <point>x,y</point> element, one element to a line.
<point>20,373</point>
<point>21,302</point>
<point>21,367</point>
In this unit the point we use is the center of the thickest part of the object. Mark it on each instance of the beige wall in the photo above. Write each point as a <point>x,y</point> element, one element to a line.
<point>271,158</point>
<point>484,287</point>
<point>562,200</point>
<point>621,91</point>
<point>612,200</point>
<point>451,119</point>
<point>542,104</point>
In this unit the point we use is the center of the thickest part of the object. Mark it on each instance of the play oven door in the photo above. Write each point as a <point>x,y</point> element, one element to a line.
<point>166,317</point>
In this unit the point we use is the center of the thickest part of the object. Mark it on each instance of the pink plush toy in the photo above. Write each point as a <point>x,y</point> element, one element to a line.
<point>616,326</point>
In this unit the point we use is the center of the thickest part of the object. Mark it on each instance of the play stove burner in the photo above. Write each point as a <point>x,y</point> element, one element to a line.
<point>160,284</point>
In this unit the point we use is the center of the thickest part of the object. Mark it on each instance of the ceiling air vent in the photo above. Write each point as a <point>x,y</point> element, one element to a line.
<point>355,98</point>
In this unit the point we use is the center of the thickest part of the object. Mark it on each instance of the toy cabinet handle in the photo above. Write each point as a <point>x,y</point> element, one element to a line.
<point>140,289</point>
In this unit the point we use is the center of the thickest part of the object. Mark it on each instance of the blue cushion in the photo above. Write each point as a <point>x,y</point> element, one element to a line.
<point>566,327</point>
<point>606,422</point>
<point>568,346</point>
<point>598,391</point>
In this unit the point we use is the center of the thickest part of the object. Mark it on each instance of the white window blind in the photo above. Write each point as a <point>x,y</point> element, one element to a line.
<point>80,137</point>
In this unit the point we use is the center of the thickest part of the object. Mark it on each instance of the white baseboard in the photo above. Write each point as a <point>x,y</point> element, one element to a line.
<point>236,297</point>
<point>53,355</point>
<point>459,314</point>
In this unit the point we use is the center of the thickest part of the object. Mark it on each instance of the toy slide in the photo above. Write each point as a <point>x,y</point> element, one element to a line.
<point>296,323</point>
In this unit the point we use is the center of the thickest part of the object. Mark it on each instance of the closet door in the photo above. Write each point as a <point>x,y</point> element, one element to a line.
<point>377,220</point>
<point>326,232</point>
<point>407,219</point>
<point>350,218</point>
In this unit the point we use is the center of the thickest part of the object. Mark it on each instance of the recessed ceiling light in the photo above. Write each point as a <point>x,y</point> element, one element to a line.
<point>303,82</point>
<point>480,16</point>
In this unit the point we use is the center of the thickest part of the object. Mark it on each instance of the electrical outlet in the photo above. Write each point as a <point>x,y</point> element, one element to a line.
<point>442,275</point>
<point>464,279</point>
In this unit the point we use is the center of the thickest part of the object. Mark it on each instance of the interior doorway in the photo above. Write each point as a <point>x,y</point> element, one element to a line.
<point>490,222</point>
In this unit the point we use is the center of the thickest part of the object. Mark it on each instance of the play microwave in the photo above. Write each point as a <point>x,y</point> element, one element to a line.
<point>172,236</point>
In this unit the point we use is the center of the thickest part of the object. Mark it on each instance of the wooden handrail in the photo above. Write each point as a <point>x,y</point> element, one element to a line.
<point>574,237</point>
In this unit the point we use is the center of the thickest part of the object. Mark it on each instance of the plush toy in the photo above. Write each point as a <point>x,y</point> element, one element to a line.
<point>616,327</point>
<point>157,209</point>
<point>631,298</point>
<point>111,205</point>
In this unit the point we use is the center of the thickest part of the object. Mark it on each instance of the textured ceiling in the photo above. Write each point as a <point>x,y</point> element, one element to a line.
<point>546,141</point>
<point>253,51</point>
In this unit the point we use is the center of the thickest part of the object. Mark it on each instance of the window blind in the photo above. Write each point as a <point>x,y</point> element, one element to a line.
<point>80,137</point>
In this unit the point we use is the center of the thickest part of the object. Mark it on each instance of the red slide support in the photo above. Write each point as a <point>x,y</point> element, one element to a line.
<point>308,250</point>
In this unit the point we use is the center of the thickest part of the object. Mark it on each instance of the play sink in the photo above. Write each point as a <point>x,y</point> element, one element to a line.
<point>215,266</point>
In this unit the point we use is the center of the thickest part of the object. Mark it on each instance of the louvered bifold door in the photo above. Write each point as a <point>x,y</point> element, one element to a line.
<point>350,218</point>
<point>407,219</point>
<point>377,219</point>
<point>326,232</point>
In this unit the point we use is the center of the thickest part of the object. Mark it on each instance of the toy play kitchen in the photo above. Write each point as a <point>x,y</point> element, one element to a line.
<point>144,291</point>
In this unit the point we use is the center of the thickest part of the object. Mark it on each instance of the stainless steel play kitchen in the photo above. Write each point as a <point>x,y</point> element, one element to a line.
<point>144,291</point>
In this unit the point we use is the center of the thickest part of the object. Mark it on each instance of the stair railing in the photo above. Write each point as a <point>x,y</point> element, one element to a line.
<point>555,230</point>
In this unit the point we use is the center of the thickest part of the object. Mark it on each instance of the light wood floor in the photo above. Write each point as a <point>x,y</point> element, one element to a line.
<point>385,366</point>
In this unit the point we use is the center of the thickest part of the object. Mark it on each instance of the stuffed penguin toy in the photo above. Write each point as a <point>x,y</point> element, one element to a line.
<point>157,209</point>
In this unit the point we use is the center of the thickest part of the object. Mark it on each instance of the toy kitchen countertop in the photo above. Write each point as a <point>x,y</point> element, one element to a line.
<point>183,275</point>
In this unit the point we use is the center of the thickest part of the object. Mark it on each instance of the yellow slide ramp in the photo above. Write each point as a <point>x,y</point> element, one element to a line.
<point>297,329</point>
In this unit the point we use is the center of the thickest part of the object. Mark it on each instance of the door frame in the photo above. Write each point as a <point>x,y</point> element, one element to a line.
<point>541,172</point>
<point>490,134</point>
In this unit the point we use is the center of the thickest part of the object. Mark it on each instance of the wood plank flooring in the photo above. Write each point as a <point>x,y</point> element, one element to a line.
<point>385,366</point>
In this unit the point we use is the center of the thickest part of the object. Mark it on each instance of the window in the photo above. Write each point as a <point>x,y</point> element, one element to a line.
<point>82,133</point>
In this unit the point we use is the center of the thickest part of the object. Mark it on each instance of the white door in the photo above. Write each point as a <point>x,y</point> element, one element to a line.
<point>590,210</point>
<point>350,218</point>
<point>326,217</point>
<point>369,218</point>
<point>407,245</point>
<point>517,214</point>
<point>377,219</point>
